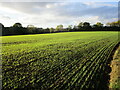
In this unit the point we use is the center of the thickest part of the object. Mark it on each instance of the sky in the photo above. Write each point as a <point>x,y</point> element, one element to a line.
<point>49,13</point>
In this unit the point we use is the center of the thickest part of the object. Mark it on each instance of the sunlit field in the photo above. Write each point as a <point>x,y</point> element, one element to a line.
<point>56,61</point>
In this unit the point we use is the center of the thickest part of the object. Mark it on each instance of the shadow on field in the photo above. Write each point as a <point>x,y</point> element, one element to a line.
<point>102,77</point>
<point>106,80</point>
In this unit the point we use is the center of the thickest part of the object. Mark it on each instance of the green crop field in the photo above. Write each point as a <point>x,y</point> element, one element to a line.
<point>56,61</point>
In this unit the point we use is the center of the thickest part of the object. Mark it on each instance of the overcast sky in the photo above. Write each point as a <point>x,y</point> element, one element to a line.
<point>51,14</point>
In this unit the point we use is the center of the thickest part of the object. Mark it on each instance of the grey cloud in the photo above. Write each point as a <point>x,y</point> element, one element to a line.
<point>71,9</point>
<point>62,12</point>
<point>82,10</point>
<point>40,7</point>
<point>27,7</point>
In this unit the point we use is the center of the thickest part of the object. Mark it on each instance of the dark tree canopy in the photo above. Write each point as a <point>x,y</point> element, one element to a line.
<point>1,25</point>
<point>17,28</point>
<point>17,25</point>
<point>86,24</point>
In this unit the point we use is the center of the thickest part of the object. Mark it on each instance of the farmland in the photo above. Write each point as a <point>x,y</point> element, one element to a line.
<point>57,61</point>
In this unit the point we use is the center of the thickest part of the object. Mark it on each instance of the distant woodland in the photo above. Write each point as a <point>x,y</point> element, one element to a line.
<point>18,29</point>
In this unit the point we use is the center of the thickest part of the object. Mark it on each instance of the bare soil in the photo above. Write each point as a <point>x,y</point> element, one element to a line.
<point>115,73</point>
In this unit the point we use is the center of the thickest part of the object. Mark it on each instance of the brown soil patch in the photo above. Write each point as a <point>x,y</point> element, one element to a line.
<point>115,73</point>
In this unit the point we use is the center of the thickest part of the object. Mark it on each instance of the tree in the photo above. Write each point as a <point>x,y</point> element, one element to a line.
<point>1,25</point>
<point>98,24</point>
<point>19,25</point>
<point>30,26</point>
<point>108,24</point>
<point>59,28</point>
<point>69,27</point>
<point>17,29</point>
<point>75,27</point>
<point>52,30</point>
<point>1,29</point>
<point>80,25</point>
<point>31,29</point>
<point>86,24</point>
<point>119,23</point>
<point>114,24</point>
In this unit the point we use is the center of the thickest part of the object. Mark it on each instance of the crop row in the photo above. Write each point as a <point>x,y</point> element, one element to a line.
<point>58,66</point>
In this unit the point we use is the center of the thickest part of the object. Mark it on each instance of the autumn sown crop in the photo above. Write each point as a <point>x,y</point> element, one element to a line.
<point>56,61</point>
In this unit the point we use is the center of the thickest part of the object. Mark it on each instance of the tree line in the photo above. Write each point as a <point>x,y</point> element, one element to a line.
<point>18,29</point>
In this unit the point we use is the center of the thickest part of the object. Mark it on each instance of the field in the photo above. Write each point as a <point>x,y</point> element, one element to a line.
<point>57,61</point>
